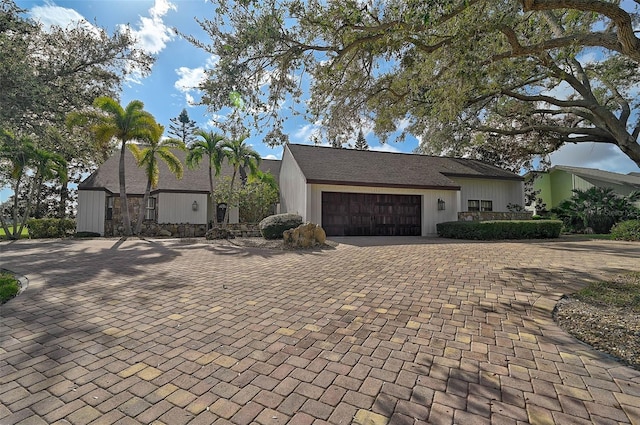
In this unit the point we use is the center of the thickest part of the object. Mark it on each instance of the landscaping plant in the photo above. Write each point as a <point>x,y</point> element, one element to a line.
<point>626,230</point>
<point>8,287</point>
<point>596,208</point>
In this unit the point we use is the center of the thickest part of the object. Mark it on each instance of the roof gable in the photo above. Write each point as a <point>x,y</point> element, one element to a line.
<point>373,168</point>
<point>630,179</point>
<point>193,181</point>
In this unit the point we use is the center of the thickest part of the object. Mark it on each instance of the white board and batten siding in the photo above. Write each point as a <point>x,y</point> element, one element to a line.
<point>293,187</point>
<point>177,208</point>
<point>430,215</point>
<point>500,192</point>
<point>91,211</point>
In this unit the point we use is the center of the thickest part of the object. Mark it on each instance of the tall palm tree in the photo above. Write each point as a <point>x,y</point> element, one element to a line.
<point>48,165</point>
<point>123,124</point>
<point>211,146</point>
<point>148,156</point>
<point>240,156</point>
<point>18,152</point>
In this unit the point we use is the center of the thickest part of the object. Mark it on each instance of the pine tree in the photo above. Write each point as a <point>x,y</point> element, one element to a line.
<point>182,127</point>
<point>361,142</point>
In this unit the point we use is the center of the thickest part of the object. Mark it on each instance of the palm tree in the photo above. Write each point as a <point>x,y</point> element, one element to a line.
<point>148,156</point>
<point>124,124</point>
<point>240,156</point>
<point>211,146</point>
<point>18,152</point>
<point>26,159</point>
<point>48,165</point>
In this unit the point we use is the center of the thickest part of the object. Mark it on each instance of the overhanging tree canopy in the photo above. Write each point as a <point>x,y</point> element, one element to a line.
<point>500,79</point>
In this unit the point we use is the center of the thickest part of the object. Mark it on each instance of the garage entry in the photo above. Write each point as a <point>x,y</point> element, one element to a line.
<point>371,214</point>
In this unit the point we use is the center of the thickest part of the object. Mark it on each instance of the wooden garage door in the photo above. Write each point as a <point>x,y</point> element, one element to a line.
<point>371,214</point>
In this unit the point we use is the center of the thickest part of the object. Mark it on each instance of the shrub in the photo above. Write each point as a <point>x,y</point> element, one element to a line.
<point>8,287</point>
<point>626,231</point>
<point>87,235</point>
<point>511,229</point>
<point>50,227</point>
<point>273,226</point>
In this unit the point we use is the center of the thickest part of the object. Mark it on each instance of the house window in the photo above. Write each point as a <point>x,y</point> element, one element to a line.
<point>473,205</point>
<point>486,206</point>
<point>151,209</point>
<point>110,208</point>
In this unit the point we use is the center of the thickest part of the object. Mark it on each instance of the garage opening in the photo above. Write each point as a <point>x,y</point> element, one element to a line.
<point>371,214</point>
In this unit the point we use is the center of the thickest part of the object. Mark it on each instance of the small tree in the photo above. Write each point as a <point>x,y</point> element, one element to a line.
<point>361,142</point>
<point>184,128</point>
<point>258,197</point>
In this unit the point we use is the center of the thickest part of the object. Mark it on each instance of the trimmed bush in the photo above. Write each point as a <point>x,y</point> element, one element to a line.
<point>511,229</point>
<point>626,231</point>
<point>41,228</point>
<point>87,235</point>
<point>273,227</point>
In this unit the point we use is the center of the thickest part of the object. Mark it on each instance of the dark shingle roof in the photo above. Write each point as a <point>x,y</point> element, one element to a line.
<point>106,176</point>
<point>605,176</point>
<point>372,168</point>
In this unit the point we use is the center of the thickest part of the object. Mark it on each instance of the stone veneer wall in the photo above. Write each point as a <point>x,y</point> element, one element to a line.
<point>115,227</point>
<point>493,215</point>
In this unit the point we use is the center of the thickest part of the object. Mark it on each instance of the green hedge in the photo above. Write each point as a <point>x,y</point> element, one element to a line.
<point>273,226</point>
<point>504,229</point>
<point>40,228</point>
<point>626,231</point>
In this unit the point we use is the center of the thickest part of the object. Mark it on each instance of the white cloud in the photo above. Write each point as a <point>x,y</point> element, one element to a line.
<point>270,156</point>
<point>152,34</point>
<point>385,148</point>
<point>190,78</point>
<point>602,156</point>
<point>52,15</point>
<point>304,133</point>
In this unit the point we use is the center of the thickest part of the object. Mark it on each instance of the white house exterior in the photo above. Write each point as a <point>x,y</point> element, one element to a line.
<point>352,192</point>
<point>347,192</point>
<point>182,203</point>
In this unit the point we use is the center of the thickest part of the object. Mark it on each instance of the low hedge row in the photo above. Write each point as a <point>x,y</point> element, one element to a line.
<point>50,227</point>
<point>507,229</point>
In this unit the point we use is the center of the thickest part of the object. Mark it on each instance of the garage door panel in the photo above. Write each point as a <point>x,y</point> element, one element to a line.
<point>368,214</point>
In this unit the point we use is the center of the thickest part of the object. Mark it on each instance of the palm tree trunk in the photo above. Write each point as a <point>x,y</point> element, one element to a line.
<point>124,205</point>
<point>211,199</point>
<point>225,222</point>
<point>37,212</point>
<point>64,195</point>
<point>143,207</point>
<point>14,214</point>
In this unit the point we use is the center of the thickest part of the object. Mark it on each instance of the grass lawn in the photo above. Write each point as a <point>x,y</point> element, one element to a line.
<point>24,234</point>
<point>8,287</point>
<point>586,236</point>
<point>623,292</point>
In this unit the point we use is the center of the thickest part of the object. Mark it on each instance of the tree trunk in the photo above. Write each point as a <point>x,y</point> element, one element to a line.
<point>212,201</point>
<point>64,195</point>
<point>225,222</point>
<point>143,207</point>
<point>37,212</point>
<point>124,205</point>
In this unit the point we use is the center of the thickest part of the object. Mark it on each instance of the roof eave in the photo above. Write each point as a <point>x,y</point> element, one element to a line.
<point>389,185</point>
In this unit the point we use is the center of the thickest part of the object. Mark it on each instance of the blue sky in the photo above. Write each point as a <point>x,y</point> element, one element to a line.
<point>180,66</point>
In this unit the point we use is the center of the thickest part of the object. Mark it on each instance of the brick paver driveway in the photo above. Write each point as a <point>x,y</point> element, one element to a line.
<point>405,330</point>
